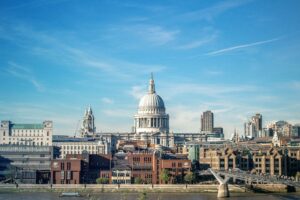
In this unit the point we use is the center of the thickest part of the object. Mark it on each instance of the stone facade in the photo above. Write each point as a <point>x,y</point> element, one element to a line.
<point>26,134</point>
<point>91,147</point>
<point>151,123</point>
<point>272,161</point>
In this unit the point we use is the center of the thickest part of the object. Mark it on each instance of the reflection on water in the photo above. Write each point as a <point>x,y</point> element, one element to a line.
<point>149,196</point>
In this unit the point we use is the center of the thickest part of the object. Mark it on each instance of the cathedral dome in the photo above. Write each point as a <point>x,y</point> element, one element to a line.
<point>151,103</point>
<point>151,117</point>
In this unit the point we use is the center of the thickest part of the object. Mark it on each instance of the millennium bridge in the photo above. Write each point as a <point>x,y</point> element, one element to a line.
<point>224,176</point>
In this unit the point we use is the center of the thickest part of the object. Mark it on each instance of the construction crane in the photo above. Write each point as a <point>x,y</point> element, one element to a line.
<point>75,134</point>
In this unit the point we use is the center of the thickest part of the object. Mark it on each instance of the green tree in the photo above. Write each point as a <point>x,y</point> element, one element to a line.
<point>164,176</point>
<point>102,180</point>
<point>138,180</point>
<point>189,177</point>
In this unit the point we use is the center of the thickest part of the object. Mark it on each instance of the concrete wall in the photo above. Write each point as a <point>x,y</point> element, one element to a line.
<point>138,188</point>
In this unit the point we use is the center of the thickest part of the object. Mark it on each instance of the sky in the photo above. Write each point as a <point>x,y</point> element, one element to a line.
<point>236,58</point>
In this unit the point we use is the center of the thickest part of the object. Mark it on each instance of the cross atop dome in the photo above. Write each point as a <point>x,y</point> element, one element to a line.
<point>151,89</point>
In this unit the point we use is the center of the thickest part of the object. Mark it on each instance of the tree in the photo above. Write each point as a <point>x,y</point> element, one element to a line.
<point>102,180</point>
<point>189,177</point>
<point>164,176</point>
<point>138,180</point>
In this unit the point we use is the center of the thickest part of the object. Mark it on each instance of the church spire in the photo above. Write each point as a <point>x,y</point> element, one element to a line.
<point>90,109</point>
<point>151,85</point>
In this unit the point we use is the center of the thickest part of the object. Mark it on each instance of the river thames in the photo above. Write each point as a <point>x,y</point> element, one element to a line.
<point>149,196</point>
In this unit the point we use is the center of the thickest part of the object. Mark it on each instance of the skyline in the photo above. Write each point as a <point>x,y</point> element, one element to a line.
<point>235,58</point>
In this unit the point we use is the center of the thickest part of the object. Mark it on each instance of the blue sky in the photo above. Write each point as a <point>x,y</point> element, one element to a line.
<point>235,58</point>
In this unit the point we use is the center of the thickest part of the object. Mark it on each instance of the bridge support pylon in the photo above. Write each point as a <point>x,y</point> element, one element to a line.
<point>223,190</point>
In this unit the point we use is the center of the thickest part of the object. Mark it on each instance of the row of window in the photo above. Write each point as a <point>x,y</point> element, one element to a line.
<point>89,147</point>
<point>28,143</point>
<point>24,139</point>
<point>38,133</point>
<point>78,152</point>
<point>174,164</point>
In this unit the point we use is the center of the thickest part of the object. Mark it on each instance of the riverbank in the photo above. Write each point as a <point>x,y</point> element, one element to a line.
<point>148,196</point>
<point>169,188</point>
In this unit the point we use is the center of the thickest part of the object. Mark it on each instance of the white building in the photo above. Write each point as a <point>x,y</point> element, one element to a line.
<point>151,123</point>
<point>26,134</point>
<point>78,147</point>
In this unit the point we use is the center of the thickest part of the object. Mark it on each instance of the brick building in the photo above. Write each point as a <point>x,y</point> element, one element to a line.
<point>178,165</point>
<point>71,170</point>
<point>257,159</point>
<point>145,167</point>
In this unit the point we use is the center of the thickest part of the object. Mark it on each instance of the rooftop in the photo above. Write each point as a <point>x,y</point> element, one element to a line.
<point>27,126</point>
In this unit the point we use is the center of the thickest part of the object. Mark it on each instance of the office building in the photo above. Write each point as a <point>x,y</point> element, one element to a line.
<point>207,121</point>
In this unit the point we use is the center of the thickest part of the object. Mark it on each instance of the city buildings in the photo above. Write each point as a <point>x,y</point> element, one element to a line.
<point>218,130</point>
<point>29,152</point>
<point>78,147</point>
<point>207,121</point>
<point>253,158</point>
<point>253,128</point>
<point>296,130</point>
<point>146,167</point>
<point>26,134</point>
<point>25,164</point>
<point>282,128</point>
<point>71,170</point>
<point>257,120</point>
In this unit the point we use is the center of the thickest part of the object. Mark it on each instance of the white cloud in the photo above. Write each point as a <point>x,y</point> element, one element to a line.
<point>24,73</point>
<point>213,90</point>
<point>75,56</point>
<point>294,85</point>
<point>239,47</point>
<point>107,100</point>
<point>198,43</point>
<point>211,12</point>
<point>156,35</point>
<point>118,113</point>
<point>137,91</point>
<point>184,119</point>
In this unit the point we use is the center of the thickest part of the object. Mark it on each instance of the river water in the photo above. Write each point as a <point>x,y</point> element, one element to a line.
<point>149,196</point>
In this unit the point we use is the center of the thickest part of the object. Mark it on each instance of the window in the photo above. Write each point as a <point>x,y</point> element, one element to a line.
<point>62,166</point>
<point>47,133</point>
<point>69,175</point>
<point>68,166</point>
<point>62,175</point>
